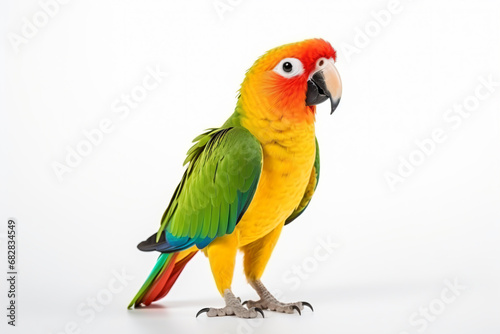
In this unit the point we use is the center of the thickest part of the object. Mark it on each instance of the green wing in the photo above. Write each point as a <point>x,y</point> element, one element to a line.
<point>214,193</point>
<point>311,187</point>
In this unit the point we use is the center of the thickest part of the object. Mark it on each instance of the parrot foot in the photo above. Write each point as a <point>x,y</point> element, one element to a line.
<point>277,306</point>
<point>233,307</point>
<point>268,302</point>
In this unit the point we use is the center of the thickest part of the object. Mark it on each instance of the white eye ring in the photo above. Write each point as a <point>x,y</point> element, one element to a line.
<point>289,67</point>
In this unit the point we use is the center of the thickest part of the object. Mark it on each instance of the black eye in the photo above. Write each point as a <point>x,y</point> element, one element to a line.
<point>287,67</point>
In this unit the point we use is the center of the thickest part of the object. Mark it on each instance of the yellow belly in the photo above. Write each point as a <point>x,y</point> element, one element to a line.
<point>288,159</point>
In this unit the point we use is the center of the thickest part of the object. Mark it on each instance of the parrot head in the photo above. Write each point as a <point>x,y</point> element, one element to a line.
<point>290,80</point>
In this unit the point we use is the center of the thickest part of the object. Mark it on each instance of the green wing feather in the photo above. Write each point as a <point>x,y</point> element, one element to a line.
<point>217,187</point>
<point>311,187</point>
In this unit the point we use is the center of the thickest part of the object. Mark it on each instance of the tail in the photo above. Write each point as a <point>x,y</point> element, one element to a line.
<point>163,276</point>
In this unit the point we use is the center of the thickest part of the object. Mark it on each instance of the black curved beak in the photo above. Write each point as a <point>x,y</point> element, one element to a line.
<point>324,84</point>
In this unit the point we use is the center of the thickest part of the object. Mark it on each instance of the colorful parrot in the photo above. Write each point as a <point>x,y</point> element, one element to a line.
<point>247,179</point>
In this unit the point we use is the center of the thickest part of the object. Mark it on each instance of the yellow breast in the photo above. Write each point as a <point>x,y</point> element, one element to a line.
<point>288,151</point>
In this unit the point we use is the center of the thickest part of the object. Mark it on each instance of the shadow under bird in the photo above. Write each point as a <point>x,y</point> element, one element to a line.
<point>247,179</point>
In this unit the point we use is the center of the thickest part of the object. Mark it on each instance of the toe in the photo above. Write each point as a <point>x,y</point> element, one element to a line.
<point>260,311</point>
<point>251,304</point>
<point>308,305</point>
<point>206,309</point>
<point>295,307</point>
<point>248,313</point>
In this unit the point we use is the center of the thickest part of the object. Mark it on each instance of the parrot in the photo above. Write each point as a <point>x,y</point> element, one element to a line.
<point>246,180</point>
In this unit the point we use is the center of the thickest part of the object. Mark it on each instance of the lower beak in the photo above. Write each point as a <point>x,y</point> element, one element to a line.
<point>324,84</point>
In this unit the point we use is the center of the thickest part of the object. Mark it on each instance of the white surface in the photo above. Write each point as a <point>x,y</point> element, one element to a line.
<point>396,248</point>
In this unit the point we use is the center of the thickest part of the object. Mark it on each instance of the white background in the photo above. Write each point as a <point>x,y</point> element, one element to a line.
<point>396,247</point>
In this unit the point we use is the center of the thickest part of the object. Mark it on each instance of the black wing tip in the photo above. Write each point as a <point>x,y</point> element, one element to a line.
<point>150,243</point>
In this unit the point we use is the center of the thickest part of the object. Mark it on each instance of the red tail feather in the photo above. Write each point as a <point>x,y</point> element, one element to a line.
<point>179,266</point>
<point>165,279</point>
<point>159,282</point>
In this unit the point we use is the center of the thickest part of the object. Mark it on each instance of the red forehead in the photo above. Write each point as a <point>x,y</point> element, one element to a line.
<point>308,52</point>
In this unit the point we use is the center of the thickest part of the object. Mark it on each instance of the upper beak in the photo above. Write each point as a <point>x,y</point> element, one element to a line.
<point>324,84</point>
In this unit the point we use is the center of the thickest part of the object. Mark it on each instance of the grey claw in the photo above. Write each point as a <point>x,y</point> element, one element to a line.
<point>206,309</point>
<point>295,307</point>
<point>246,301</point>
<point>260,311</point>
<point>308,305</point>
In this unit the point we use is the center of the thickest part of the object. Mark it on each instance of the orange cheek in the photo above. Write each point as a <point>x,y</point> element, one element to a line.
<point>285,93</point>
